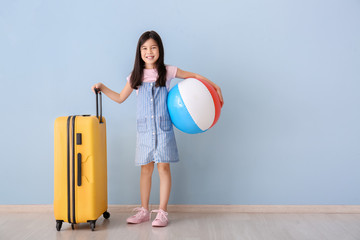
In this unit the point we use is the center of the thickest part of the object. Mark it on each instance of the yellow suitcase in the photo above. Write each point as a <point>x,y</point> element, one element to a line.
<point>80,169</point>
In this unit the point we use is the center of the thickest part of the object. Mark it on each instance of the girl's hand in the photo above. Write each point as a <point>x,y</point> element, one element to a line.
<point>218,90</point>
<point>98,86</point>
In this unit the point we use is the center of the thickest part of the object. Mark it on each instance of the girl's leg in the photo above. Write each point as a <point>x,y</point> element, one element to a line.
<point>165,184</point>
<point>145,184</point>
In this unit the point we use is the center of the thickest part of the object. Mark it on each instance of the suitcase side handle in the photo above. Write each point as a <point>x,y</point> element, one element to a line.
<point>98,95</point>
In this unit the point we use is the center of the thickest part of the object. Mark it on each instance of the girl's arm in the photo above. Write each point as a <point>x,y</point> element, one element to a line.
<point>119,98</point>
<point>184,74</point>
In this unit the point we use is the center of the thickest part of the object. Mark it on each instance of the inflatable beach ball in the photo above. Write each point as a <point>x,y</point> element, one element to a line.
<point>194,105</point>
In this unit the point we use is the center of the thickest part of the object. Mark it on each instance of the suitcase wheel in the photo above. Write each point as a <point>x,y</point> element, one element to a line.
<point>58,224</point>
<point>106,215</point>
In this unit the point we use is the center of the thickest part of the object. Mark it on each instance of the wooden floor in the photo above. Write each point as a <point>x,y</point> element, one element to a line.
<point>242,226</point>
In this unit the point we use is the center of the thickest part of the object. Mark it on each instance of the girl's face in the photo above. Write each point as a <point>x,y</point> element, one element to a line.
<point>150,53</point>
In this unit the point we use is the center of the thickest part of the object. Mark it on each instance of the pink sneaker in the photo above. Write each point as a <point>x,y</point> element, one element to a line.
<point>161,219</point>
<point>142,215</point>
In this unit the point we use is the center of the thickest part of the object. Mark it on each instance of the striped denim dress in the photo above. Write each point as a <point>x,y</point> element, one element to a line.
<point>155,140</point>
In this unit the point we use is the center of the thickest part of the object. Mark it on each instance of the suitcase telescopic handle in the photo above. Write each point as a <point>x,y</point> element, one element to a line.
<point>98,95</point>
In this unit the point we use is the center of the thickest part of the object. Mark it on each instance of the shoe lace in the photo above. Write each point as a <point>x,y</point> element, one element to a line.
<point>162,215</point>
<point>140,211</point>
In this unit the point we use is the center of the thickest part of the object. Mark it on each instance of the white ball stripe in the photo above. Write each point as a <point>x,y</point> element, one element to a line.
<point>198,101</point>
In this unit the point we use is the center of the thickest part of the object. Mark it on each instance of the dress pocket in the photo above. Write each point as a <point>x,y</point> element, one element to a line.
<point>141,125</point>
<point>165,124</point>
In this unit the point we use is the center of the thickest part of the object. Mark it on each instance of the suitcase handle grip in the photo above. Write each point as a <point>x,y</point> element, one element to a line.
<point>98,93</point>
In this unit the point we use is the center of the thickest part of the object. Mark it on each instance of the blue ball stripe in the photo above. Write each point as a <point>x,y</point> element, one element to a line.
<point>179,115</point>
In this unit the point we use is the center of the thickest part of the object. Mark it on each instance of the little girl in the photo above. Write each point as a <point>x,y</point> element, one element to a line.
<point>155,136</point>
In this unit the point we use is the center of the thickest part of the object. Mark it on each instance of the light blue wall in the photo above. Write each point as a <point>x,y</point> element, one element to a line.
<point>289,131</point>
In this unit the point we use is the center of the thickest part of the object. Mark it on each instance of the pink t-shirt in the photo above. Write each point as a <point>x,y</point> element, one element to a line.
<point>151,75</point>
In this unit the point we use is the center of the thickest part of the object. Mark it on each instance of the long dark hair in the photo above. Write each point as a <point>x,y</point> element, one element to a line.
<point>139,65</point>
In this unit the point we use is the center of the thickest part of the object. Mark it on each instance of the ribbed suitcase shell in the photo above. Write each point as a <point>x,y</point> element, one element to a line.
<point>89,200</point>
